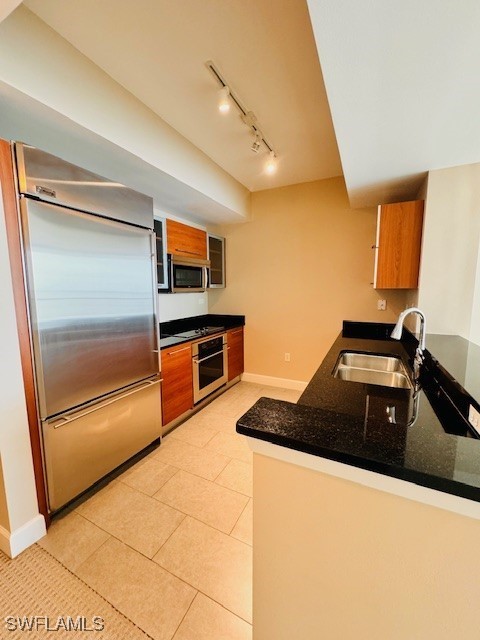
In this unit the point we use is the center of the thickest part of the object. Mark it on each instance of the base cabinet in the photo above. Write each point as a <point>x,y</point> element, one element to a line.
<point>177,385</point>
<point>177,374</point>
<point>235,352</point>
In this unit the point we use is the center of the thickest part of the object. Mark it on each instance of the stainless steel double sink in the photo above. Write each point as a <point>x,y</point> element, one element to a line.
<point>370,368</point>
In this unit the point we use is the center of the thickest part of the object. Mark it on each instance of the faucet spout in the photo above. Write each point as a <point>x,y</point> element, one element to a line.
<point>397,335</point>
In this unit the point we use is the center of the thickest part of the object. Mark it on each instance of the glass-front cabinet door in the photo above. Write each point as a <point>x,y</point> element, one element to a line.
<point>161,246</point>
<point>216,255</point>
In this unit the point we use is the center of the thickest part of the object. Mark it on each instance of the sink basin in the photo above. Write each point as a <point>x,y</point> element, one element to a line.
<point>369,368</point>
<point>371,361</point>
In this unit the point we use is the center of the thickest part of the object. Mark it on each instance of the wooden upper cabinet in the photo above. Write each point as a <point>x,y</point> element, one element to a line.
<point>235,352</point>
<point>397,250</point>
<point>183,240</point>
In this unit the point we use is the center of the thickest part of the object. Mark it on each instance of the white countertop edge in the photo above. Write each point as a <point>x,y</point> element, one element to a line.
<point>394,486</point>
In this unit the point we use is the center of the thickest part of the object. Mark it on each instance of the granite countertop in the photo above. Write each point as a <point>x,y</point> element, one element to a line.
<point>348,421</point>
<point>222,321</point>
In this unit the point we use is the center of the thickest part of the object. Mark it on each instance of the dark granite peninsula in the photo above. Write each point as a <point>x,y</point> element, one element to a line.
<point>365,425</point>
<point>367,503</point>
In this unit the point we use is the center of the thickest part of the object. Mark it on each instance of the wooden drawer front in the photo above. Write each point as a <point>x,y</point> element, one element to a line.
<point>399,244</point>
<point>183,240</point>
<point>235,352</point>
<point>177,385</point>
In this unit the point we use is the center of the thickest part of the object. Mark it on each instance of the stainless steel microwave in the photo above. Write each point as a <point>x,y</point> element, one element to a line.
<point>187,275</point>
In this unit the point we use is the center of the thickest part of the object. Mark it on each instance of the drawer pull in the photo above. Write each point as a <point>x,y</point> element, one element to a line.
<point>173,353</point>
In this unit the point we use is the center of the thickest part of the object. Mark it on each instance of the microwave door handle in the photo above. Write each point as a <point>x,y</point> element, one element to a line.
<point>205,277</point>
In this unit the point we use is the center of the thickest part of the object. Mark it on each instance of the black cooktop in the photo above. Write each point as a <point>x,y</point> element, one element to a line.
<point>197,333</point>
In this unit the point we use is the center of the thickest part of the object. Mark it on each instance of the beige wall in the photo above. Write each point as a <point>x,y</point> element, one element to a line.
<point>449,287</point>
<point>337,560</point>
<point>300,267</point>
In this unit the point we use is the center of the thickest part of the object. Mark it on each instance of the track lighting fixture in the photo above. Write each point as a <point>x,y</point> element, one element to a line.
<point>257,142</point>
<point>226,98</point>
<point>271,164</point>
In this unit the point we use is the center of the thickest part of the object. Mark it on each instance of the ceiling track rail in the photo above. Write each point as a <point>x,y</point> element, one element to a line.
<point>246,114</point>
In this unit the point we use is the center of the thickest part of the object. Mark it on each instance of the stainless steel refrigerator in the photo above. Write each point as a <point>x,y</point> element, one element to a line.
<point>89,249</point>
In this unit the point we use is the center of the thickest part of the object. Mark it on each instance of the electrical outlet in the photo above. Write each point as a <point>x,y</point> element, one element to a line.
<point>287,357</point>
<point>474,418</point>
<point>381,305</point>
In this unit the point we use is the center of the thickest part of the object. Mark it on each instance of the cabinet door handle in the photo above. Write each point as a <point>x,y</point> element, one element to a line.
<point>233,333</point>
<point>374,246</point>
<point>172,353</point>
<point>191,253</point>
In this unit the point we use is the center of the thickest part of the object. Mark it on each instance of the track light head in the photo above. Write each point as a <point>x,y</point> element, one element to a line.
<point>256,143</point>
<point>271,165</point>
<point>224,99</point>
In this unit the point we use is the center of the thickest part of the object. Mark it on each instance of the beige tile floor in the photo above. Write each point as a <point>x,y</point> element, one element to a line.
<point>169,542</point>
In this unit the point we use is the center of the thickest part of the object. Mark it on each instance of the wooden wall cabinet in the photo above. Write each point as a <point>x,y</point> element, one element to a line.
<point>235,352</point>
<point>183,240</point>
<point>177,385</point>
<point>398,245</point>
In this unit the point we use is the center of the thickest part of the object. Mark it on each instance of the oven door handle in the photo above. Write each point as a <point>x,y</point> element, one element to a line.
<point>207,357</point>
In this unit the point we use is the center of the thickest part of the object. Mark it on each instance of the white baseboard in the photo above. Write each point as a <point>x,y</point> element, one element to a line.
<point>271,381</point>
<point>13,543</point>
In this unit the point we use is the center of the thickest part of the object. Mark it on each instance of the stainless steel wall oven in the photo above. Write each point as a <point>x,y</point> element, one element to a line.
<point>210,366</point>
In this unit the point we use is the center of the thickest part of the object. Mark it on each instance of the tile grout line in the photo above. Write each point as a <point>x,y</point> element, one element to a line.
<point>82,563</point>
<point>157,564</point>
<point>150,495</point>
<point>203,592</point>
<point>185,614</point>
<point>171,534</point>
<point>243,510</point>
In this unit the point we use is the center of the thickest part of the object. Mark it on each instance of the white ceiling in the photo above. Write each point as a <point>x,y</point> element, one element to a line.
<point>51,131</point>
<point>157,49</point>
<point>403,82</point>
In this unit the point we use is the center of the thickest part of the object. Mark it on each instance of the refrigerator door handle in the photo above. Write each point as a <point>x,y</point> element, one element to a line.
<point>66,419</point>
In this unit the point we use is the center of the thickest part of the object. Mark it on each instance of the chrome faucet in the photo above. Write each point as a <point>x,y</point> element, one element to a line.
<point>397,335</point>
